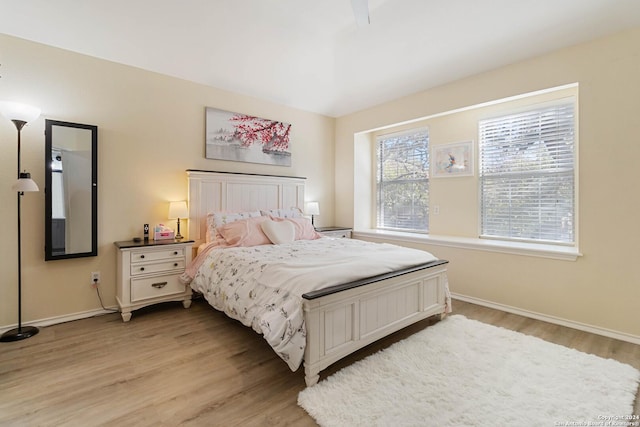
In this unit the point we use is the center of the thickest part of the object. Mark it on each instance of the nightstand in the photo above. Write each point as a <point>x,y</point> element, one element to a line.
<point>337,232</point>
<point>148,273</point>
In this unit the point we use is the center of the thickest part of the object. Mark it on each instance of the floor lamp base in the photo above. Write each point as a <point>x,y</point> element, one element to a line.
<point>18,334</point>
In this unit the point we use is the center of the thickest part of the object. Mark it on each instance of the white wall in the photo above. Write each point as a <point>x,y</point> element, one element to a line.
<point>600,289</point>
<point>151,129</point>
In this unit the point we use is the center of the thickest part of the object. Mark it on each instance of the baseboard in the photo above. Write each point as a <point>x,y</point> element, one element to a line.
<point>634,339</point>
<point>60,319</point>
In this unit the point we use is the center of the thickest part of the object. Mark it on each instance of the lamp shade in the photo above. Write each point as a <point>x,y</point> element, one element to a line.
<point>25,184</point>
<point>312,208</point>
<point>178,210</point>
<point>18,111</point>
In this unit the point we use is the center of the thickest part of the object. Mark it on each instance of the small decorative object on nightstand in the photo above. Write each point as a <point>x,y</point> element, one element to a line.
<point>148,273</point>
<point>337,232</point>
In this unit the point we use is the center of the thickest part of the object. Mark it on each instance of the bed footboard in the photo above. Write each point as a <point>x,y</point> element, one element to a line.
<point>342,322</point>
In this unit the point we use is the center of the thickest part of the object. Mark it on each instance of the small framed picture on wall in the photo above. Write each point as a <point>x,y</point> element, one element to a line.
<point>449,160</point>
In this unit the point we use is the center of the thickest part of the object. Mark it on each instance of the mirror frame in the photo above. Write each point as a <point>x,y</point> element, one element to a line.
<point>49,256</point>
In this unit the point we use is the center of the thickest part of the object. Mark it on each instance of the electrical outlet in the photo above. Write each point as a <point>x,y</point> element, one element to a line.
<point>95,277</point>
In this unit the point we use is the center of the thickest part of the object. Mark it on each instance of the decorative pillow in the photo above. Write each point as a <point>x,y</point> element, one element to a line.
<point>279,232</point>
<point>218,219</point>
<point>244,232</point>
<point>302,226</point>
<point>283,213</point>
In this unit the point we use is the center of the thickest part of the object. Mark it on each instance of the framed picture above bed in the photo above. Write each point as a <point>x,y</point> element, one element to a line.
<point>243,138</point>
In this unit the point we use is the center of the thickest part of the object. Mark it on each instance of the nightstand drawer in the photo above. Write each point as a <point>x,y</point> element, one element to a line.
<point>338,234</point>
<point>172,266</point>
<point>158,286</point>
<point>153,255</point>
<point>335,232</point>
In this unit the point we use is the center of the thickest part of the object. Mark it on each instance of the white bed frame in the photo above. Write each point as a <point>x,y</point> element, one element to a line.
<point>340,322</point>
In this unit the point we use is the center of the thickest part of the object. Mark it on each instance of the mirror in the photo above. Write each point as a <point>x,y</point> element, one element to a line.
<point>71,190</point>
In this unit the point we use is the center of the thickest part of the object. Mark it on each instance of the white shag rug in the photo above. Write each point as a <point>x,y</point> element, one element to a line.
<point>461,372</point>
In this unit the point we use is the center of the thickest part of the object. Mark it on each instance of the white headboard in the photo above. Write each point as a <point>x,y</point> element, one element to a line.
<point>235,192</point>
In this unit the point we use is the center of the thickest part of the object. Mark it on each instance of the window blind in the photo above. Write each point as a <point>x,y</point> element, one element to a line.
<point>403,181</point>
<point>527,175</point>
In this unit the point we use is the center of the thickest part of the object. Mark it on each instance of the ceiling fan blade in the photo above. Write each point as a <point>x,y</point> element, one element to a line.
<point>361,12</point>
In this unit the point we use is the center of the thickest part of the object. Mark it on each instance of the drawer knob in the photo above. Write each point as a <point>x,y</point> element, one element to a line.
<point>159,285</point>
<point>175,264</point>
<point>141,256</point>
<point>175,253</point>
<point>141,268</point>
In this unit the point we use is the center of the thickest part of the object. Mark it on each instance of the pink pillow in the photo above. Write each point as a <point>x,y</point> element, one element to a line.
<point>303,227</point>
<point>218,219</point>
<point>245,232</point>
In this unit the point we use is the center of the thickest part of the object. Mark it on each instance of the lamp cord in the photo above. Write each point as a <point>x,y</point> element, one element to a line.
<point>101,304</point>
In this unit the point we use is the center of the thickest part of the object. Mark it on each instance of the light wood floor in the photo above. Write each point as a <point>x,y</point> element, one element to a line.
<point>170,366</point>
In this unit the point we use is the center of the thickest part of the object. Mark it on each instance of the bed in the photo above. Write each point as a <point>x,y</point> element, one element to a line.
<point>331,300</point>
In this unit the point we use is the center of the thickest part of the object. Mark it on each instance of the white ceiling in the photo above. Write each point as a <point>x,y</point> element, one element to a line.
<point>311,54</point>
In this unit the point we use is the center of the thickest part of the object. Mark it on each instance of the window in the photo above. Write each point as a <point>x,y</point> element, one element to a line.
<point>403,181</point>
<point>527,175</point>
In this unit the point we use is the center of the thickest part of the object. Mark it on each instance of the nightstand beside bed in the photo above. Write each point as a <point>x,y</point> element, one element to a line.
<point>148,273</point>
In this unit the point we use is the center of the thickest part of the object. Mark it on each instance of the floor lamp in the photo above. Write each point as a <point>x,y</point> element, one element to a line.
<point>20,114</point>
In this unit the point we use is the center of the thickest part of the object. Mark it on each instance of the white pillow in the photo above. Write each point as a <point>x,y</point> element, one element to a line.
<point>279,232</point>
<point>283,213</point>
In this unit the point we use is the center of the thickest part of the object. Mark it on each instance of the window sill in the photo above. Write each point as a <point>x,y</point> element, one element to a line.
<point>565,253</point>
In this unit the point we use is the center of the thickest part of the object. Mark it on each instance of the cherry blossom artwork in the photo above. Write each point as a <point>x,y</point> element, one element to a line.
<point>243,138</point>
